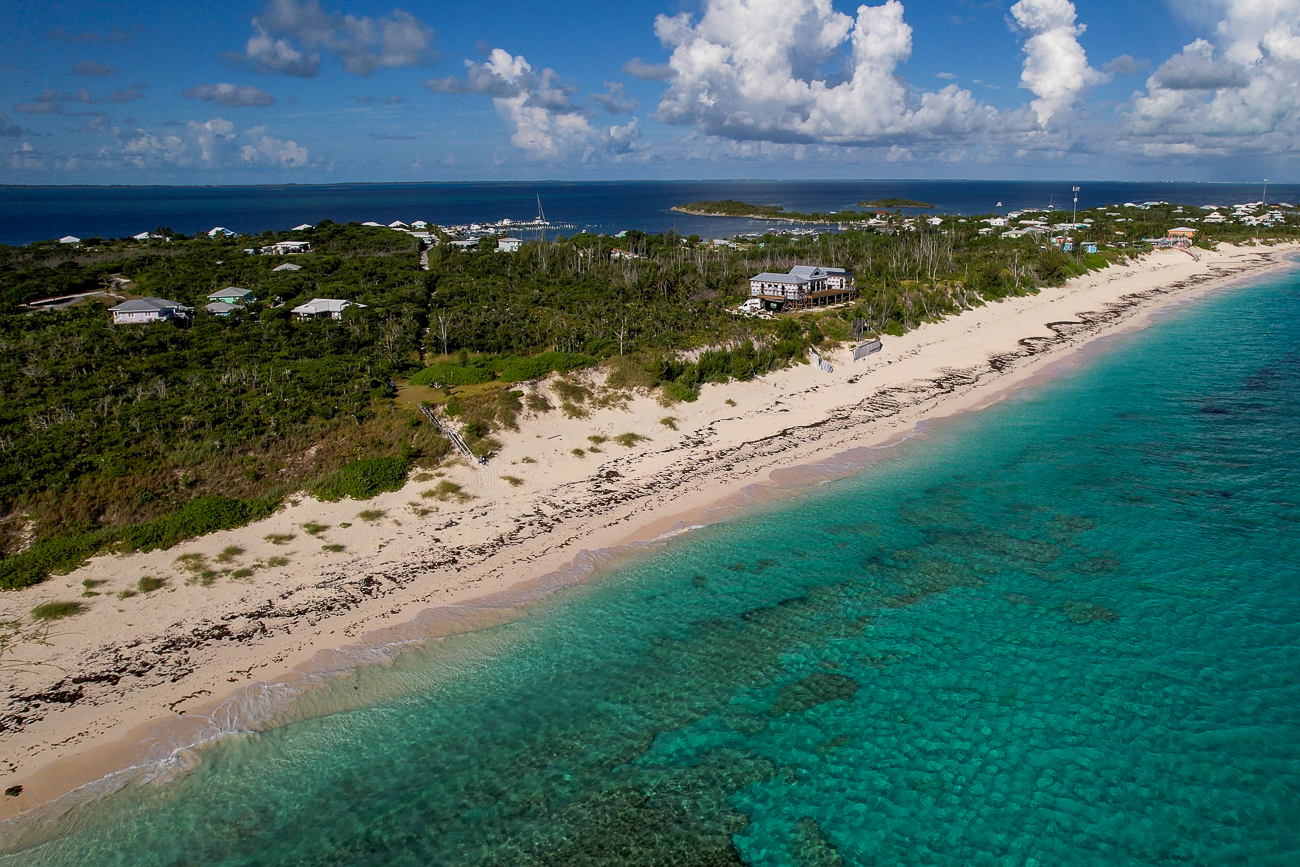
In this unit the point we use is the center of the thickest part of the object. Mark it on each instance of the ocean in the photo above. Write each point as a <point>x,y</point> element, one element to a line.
<point>1063,630</point>
<point>29,214</point>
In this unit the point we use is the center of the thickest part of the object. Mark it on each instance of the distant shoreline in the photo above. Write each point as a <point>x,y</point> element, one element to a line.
<point>789,218</point>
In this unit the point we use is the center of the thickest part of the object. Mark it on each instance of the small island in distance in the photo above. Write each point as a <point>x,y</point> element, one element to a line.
<point>894,203</point>
<point>734,208</point>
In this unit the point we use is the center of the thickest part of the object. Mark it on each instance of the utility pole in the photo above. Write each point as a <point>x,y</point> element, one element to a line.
<point>1075,217</point>
<point>1266,192</point>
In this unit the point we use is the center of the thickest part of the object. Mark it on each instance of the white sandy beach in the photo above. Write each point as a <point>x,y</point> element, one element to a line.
<point>133,679</point>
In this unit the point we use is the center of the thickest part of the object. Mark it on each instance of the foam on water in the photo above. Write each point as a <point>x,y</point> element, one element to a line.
<point>1061,631</point>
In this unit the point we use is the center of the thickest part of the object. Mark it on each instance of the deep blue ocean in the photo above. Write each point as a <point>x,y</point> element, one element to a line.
<point>30,214</point>
<point>1064,630</point>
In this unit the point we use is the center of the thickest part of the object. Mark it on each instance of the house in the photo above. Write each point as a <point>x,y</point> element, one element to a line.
<point>286,248</point>
<point>398,224</point>
<point>220,230</point>
<point>620,253</point>
<point>149,310</point>
<point>233,295</point>
<point>1181,235</point>
<point>804,286</point>
<point>372,224</point>
<point>419,224</point>
<point>221,308</point>
<point>146,236</point>
<point>69,239</point>
<point>320,308</point>
<point>934,221</point>
<point>287,266</point>
<point>466,243</point>
<point>303,228</point>
<point>1089,246</point>
<point>508,245</point>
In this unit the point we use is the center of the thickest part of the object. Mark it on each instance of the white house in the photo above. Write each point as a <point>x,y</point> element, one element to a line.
<point>804,286</point>
<point>419,224</point>
<point>320,308</point>
<point>149,310</point>
<point>398,224</point>
<point>220,230</point>
<point>286,248</point>
<point>508,245</point>
<point>303,228</point>
<point>69,239</point>
<point>372,224</point>
<point>287,266</point>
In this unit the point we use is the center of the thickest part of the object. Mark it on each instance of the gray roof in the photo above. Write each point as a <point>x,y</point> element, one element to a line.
<point>287,266</point>
<point>232,292</point>
<point>148,305</point>
<point>325,305</point>
<point>220,307</point>
<point>779,278</point>
<point>807,271</point>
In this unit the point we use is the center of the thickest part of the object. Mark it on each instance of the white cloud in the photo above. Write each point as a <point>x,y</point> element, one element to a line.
<point>194,145</point>
<point>539,110</point>
<point>284,154</point>
<point>362,43</point>
<point>753,70</point>
<point>231,95</point>
<point>1237,93</point>
<point>1056,67</point>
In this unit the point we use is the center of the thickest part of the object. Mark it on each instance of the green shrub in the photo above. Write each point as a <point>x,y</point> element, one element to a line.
<point>60,554</point>
<point>198,517</point>
<point>452,374</point>
<point>522,369</point>
<point>364,478</point>
<point>149,584</point>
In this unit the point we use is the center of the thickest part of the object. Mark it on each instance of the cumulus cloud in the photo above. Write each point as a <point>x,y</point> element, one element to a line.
<point>1236,93</point>
<point>614,100</point>
<point>1196,69</point>
<point>362,43</point>
<point>93,68</point>
<point>638,68</point>
<point>1125,64</point>
<point>751,70</point>
<point>538,108</point>
<point>231,95</point>
<point>1056,67</point>
<point>275,152</point>
<point>187,145</point>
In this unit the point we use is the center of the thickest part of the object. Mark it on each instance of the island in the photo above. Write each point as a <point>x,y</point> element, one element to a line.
<point>733,208</point>
<point>894,203</point>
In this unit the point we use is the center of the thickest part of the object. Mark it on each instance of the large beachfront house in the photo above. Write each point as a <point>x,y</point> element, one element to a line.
<point>149,310</point>
<point>804,286</point>
<point>320,308</point>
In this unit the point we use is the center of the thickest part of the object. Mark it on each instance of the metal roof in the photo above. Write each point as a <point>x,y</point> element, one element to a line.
<point>148,305</point>
<point>778,278</point>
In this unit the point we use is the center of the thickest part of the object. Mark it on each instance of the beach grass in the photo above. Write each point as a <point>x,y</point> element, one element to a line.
<point>57,610</point>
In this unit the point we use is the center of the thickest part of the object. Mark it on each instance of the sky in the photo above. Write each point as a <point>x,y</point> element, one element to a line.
<point>339,91</point>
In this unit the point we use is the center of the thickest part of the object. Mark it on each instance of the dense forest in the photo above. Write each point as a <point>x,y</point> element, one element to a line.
<point>136,436</point>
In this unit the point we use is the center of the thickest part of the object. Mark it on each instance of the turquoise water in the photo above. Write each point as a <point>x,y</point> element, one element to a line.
<point>1062,631</point>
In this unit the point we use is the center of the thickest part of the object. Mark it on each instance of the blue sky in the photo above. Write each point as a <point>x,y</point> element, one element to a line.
<point>310,91</point>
